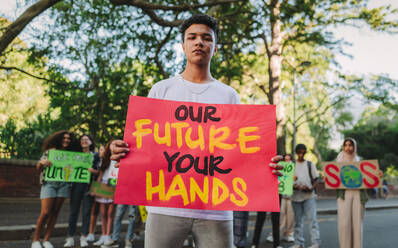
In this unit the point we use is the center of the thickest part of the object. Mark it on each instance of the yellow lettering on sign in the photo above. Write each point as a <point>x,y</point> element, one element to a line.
<point>216,197</point>
<point>177,188</point>
<point>195,143</point>
<point>141,132</point>
<point>150,189</point>
<point>195,190</point>
<point>179,126</point>
<point>243,138</point>
<point>166,139</point>
<point>218,141</point>
<point>239,192</point>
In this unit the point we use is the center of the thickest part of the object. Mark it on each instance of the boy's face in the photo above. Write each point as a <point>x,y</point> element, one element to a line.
<point>199,44</point>
<point>300,154</point>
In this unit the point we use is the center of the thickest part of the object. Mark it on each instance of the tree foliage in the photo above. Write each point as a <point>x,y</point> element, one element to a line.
<point>376,134</point>
<point>22,98</point>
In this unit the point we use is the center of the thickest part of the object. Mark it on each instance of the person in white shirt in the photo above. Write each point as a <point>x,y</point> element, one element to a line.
<point>303,199</point>
<point>169,227</point>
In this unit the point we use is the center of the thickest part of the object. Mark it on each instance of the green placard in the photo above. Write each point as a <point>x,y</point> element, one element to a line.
<point>69,166</point>
<point>102,190</point>
<point>286,181</point>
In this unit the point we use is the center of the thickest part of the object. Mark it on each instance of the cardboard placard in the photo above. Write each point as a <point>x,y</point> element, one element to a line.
<point>143,213</point>
<point>352,175</point>
<point>199,156</point>
<point>69,166</point>
<point>102,190</point>
<point>286,181</point>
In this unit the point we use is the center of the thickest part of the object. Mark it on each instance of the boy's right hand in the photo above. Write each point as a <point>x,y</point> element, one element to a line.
<point>119,149</point>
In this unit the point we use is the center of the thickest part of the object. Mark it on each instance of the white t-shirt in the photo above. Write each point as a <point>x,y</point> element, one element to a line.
<point>110,173</point>
<point>178,89</point>
<point>303,179</point>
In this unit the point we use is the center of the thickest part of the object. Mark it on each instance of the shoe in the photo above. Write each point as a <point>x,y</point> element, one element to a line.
<point>314,246</point>
<point>254,246</point>
<point>270,238</point>
<point>290,238</point>
<point>90,237</point>
<point>100,241</point>
<point>296,246</point>
<point>128,244</point>
<point>111,244</point>
<point>279,246</point>
<point>186,242</point>
<point>70,242</point>
<point>47,244</point>
<point>107,240</point>
<point>83,241</point>
<point>36,244</point>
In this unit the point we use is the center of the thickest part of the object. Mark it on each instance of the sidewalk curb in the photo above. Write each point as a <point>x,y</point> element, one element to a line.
<point>25,232</point>
<point>334,211</point>
<point>331,211</point>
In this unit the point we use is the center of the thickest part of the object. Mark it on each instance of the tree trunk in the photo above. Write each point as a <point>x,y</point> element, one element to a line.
<point>274,72</point>
<point>19,24</point>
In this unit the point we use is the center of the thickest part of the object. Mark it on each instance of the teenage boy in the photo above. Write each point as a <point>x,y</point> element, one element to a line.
<point>303,199</point>
<point>169,227</point>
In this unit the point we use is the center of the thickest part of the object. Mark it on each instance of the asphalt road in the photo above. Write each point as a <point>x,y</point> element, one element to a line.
<point>380,231</point>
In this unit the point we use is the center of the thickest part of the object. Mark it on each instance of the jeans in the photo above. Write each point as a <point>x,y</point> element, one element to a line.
<point>79,194</point>
<point>170,231</point>
<point>117,223</point>
<point>306,208</point>
<point>241,219</point>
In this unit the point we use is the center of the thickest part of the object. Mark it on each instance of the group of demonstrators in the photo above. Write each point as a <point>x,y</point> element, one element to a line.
<point>168,227</point>
<point>350,208</point>
<point>53,194</point>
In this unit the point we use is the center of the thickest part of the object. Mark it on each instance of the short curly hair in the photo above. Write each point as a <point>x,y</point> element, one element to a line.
<point>200,19</point>
<point>301,147</point>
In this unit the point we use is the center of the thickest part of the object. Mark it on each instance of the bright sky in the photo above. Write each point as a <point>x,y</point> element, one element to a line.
<point>373,52</point>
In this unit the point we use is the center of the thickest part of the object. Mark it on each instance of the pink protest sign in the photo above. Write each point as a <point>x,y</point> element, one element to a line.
<point>199,156</point>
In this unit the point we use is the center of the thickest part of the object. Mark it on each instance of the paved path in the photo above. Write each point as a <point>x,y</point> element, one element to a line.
<point>18,215</point>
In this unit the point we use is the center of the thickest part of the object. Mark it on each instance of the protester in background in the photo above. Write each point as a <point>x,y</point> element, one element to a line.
<point>108,174</point>
<point>385,189</point>
<point>52,194</point>
<point>287,213</point>
<point>80,196</point>
<point>120,211</point>
<point>117,224</point>
<point>95,206</point>
<point>279,220</point>
<point>275,238</point>
<point>350,203</point>
<point>303,199</point>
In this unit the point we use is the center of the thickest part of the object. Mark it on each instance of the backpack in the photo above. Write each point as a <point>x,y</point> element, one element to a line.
<point>310,172</point>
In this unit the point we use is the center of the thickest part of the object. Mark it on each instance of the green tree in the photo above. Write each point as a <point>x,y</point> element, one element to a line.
<point>376,134</point>
<point>282,24</point>
<point>26,142</point>
<point>22,98</point>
